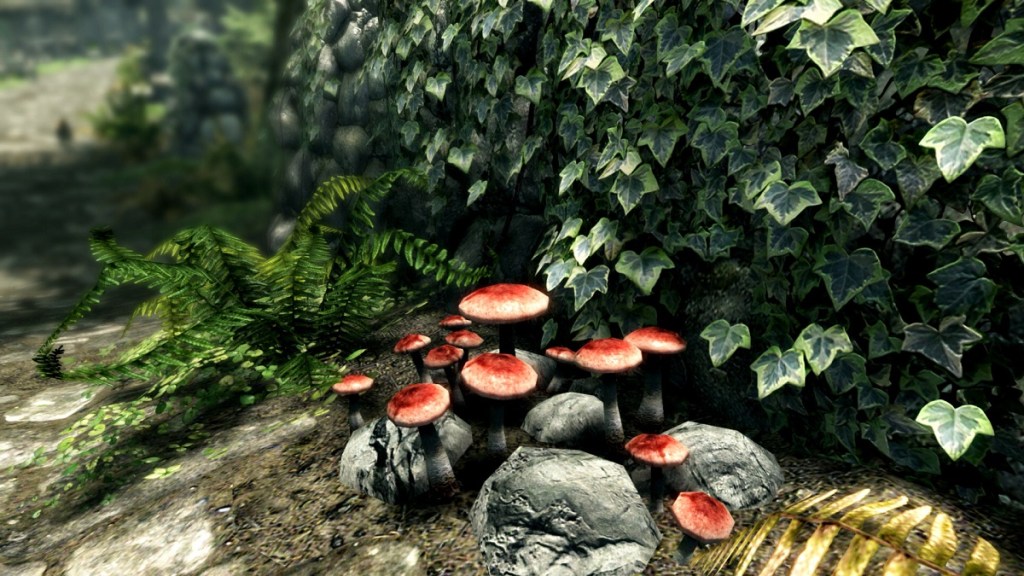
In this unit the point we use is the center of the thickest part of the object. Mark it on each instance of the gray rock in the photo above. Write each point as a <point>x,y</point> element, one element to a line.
<point>386,461</point>
<point>325,122</point>
<point>223,99</point>
<point>326,64</point>
<point>373,77</point>
<point>54,403</point>
<point>591,386</point>
<point>725,464</point>
<point>351,149</point>
<point>280,228</point>
<point>27,569</point>
<point>562,512</point>
<point>353,100</point>
<point>336,15</point>
<point>367,5</point>
<point>8,399</point>
<point>568,419</point>
<point>349,51</point>
<point>284,122</point>
<point>298,182</point>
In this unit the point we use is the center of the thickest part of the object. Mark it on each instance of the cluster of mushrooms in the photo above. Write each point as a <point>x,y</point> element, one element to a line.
<point>501,375</point>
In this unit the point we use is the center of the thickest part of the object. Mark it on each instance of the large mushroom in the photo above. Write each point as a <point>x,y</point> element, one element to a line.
<point>445,357</point>
<point>657,451</point>
<point>351,385</point>
<point>498,377</point>
<point>412,344</point>
<point>702,520</point>
<point>655,343</point>
<point>419,406</point>
<point>504,305</point>
<point>609,356</point>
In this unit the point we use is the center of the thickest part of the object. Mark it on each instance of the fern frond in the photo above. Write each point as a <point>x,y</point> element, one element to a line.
<point>888,533</point>
<point>429,258</point>
<point>296,281</point>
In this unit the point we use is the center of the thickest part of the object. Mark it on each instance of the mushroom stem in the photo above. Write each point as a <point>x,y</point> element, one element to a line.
<point>421,371</point>
<point>651,414</point>
<point>440,475</point>
<point>686,548</point>
<point>613,433</point>
<point>496,429</point>
<point>453,383</point>
<point>355,417</point>
<point>506,339</point>
<point>656,505</point>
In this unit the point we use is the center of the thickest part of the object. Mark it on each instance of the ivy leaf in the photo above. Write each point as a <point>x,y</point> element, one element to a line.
<point>677,58</point>
<point>879,5</point>
<point>784,240</point>
<point>721,49</point>
<point>812,90</point>
<point>958,144</point>
<point>602,232</point>
<point>1014,114</point>
<point>572,172</point>
<point>1007,48</point>
<point>955,428</point>
<point>914,70</point>
<point>714,143</point>
<point>461,158</point>
<point>934,106</point>
<point>915,176</point>
<point>877,144</point>
<point>661,138</point>
<point>869,397</point>
<point>780,91</point>
<point>597,81</point>
<point>816,11</point>
<point>645,268</point>
<point>619,28</point>
<point>436,85</point>
<point>944,345</point>
<point>848,172</point>
<point>671,36</point>
<point>917,228</point>
<point>631,188</point>
<point>581,249</point>
<point>846,275</point>
<point>830,44</point>
<point>785,203</point>
<point>570,228</point>
<point>755,9</point>
<point>531,86</point>
<point>585,283</point>
<point>775,369</point>
<point>1003,196</point>
<point>846,373</point>
<point>866,201</point>
<point>879,342</point>
<point>884,26</point>
<point>476,191</point>
<point>820,346</point>
<point>962,286</point>
<point>724,340</point>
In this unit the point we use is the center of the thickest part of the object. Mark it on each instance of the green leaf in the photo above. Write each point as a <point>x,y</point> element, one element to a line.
<point>436,85</point>
<point>914,457</point>
<point>775,369</point>
<point>830,44</point>
<point>880,343</point>
<point>915,176</point>
<point>661,138</point>
<point>645,268</point>
<point>602,233</point>
<point>461,158</point>
<point>631,188</point>
<point>877,144</point>
<point>1003,196</point>
<point>846,373</point>
<point>558,271</point>
<point>531,86</point>
<point>1014,114</point>
<point>619,28</point>
<point>784,240</point>
<point>914,70</point>
<point>812,89</point>
<point>820,346</point>
<point>944,345</point>
<point>570,174</point>
<point>934,106</point>
<point>962,287</point>
<point>879,5</point>
<point>816,11</point>
<point>785,203</point>
<point>916,228</point>
<point>597,81</point>
<point>581,249</point>
<point>756,9</point>
<point>848,173</point>
<point>869,397</point>
<point>866,201</point>
<point>677,58</point>
<point>780,91</point>
<point>958,144</point>
<point>724,339</point>
<point>845,275</point>
<point>721,49</point>
<point>586,283</point>
<point>1007,48</point>
<point>884,26</point>
<point>954,428</point>
<point>476,191</point>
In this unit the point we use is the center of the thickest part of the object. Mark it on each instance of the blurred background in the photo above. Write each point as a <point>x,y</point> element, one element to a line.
<point>146,116</point>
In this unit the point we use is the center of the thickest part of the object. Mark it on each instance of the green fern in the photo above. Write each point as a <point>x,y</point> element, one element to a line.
<point>871,532</point>
<point>256,326</point>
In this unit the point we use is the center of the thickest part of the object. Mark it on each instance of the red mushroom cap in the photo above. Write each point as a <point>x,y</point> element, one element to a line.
<point>561,354</point>
<point>464,339</point>
<point>418,405</point>
<point>443,355</point>
<point>504,304</point>
<point>352,384</point>
<point>659,450</point>
<point>411,343</point>
<point>654,340</point>
<point>454,321</point>
<point>608,356</point>
<point>499,376</point>
<point>702,517</point>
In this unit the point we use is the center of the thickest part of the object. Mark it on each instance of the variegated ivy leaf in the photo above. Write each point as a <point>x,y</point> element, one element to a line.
<point>619,28</point>
<point>585,283</point>
<point>917,228</point>
<point>866,201</point>
<point>437,85</point>
<point>597,81</point>
<point>829,44</point>
<point>558,271</point>
<point>476,191</point>
<point>962,287</point>
<point>645,268</point>
<point>602,232</point>
<point>847,372</point>
<point>1007,48</point>
<point>570,229</point>
<point>581,249</point>
<point>721,49</point>
<point>785,203</point>
<point>958,144</point>
<point>817,11</point>
<point>461,158</point>
<point>755,9</point>
<point>848,172</point>
<point>661,138</point>
<point>821,346</point>
<point>879,5</point>
<point>715,140</point>
<point>944,345</point>
<point>724,340</point>
<point>776,368</point>
<point>846,275</point>
<point>677,58</point>
<point>631,188</point>
<point>570,174</point>
<point>1003,196</point>
<point>955,428</point>
<point>531,86</point>
<point>548,332</point>
<point>640,8</point>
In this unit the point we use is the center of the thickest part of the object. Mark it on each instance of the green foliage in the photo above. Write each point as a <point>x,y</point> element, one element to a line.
<point>860,159</point>
<point>128,120</point>
<point>240,326</point>
<point>247,39</point>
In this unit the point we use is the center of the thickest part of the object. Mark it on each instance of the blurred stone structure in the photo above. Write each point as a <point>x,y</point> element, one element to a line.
<point>207,103</point>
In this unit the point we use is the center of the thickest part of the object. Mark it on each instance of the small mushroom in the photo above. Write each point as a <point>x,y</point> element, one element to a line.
<point>412,344</point>
<point>351,385</point>
<point>445,357</point>
<point>565,364</point>
<point>465,339</point>
<point>419,406</point>
<point>498,377</point>
<point>504,305</point>
<point>609,356</point>
<point>655,343</point>
<point>657,451</point>
<point>454,322</point>
<point>702,519</point>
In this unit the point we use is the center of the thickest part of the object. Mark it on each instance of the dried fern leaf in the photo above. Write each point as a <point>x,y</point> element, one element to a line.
<point>861,514</point>
<point>782,549</point>
<point>941,544</point>
<point>984,560</point>
<point>837,506</point>
<point>900,565</point>
<point>857,556</point>
<point>896,530</point>
<point>814,550</point>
